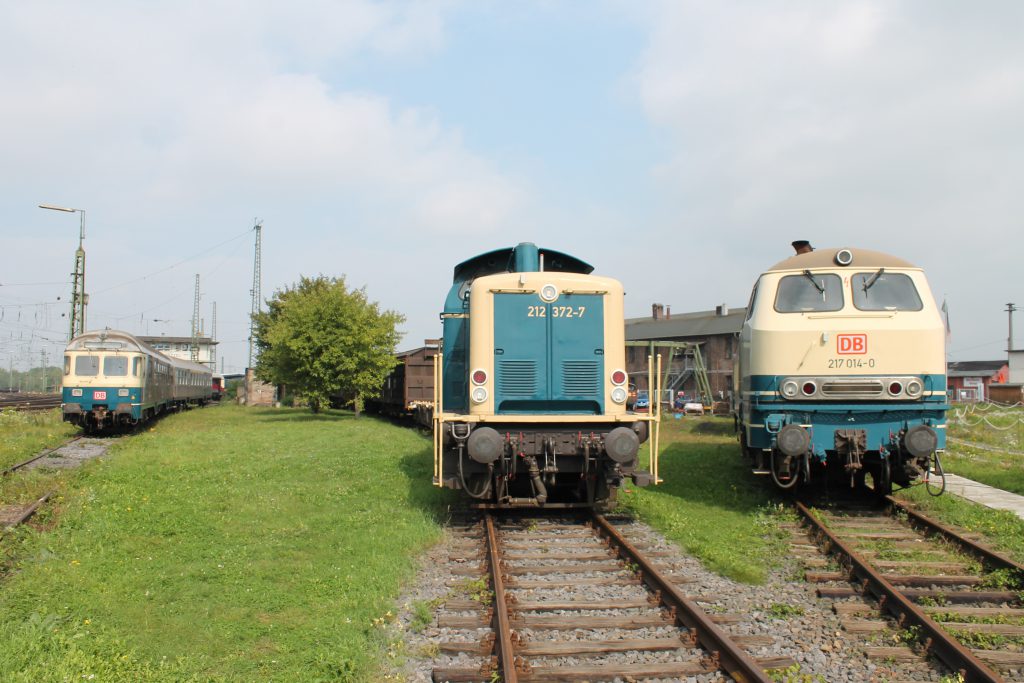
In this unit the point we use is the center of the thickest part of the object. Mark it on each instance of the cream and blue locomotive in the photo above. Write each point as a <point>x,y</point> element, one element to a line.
<point>112,379</point>
<point>842,372</point>
<point>531,387</point>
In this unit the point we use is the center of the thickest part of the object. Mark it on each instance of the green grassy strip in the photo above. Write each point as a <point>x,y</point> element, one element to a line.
<point>23,434</point>
<point>225,544</point>
<point>709,502</point>
<point>1004,530</point>
<point>999,431</point>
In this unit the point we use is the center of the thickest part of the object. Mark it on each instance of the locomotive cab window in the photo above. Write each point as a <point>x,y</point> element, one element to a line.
<point>882,291</point>
<point>115,366</point>
<point>67,365</point>
<point>809,292</point>
<point>137,366</point>
<point>87,366</point>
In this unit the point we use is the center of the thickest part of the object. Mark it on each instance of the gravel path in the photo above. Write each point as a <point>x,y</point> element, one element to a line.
<point>786,609</point>
<point>73,454</point>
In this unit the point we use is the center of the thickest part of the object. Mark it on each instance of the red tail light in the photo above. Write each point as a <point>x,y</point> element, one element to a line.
<point>479,377</point>
<point>619,377</point>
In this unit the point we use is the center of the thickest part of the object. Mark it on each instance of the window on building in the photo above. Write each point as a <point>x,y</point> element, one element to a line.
<point>809,292</point>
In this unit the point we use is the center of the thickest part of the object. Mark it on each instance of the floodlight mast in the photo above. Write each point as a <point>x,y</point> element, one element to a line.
<point>79,299</point>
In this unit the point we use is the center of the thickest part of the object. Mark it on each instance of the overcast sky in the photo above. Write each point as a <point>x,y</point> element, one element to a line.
<point>678,146</point>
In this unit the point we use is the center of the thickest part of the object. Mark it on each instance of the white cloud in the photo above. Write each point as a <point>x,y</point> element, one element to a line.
<point>890,125</point>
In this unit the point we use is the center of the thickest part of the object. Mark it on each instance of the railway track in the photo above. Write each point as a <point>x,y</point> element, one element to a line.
<point>40,456</point>
<point>571,599</point>
<point>950,596</point>
<point>30,402</point>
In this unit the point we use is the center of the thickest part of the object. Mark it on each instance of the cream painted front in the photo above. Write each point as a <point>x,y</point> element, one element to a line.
<point>481,306</point>
<point>897,342</point>
<point>71,379</point>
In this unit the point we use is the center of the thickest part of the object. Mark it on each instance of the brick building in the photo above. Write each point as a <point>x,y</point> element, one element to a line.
<point>715,332</point>
<point>969,380</point>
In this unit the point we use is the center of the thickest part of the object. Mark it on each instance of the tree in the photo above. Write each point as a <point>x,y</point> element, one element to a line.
<point>321,339</point>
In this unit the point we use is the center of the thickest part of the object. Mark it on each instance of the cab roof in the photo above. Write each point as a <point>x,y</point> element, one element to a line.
<point>503,261</point>
<point>826,258</point>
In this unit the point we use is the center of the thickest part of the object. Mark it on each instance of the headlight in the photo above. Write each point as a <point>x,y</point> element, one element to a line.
<point>619,395</point>
<point>122,392</point>
<point>76,392</point>
<point>790,388</point>
<point>549,293</point>
<point>914,388</point>
<point>479,395</point>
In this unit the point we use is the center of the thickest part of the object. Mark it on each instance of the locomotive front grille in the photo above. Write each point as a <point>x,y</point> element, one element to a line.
<point>581,377</point>
<point>517,377</point>
<point>853,388</point>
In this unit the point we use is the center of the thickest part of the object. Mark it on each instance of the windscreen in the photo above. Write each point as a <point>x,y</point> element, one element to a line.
<point>115,366</point>
<point>809,292</point>
<point>881,291</point>
<point>87,366</point>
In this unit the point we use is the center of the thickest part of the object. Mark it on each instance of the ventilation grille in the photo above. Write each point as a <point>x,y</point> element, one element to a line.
<point>855,388</point>
<point>517,377</point>
<point>581,377</point>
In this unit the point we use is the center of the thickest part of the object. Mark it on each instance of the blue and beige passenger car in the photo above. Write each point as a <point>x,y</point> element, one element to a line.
<point>111,379</point>
<point>530,385</point>
<point>842,371</point>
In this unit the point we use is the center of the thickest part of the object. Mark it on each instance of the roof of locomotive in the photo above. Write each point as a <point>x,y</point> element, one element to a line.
<point>502,261</point>
<point>104,340</point>
<point>826,258</point>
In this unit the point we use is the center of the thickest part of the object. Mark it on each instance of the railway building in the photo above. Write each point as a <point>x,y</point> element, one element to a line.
<point>715,333</point>
<point>970,380</point>
<point>181,347</point>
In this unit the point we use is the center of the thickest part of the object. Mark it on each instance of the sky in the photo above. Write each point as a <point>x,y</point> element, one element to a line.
<point>678,146</point>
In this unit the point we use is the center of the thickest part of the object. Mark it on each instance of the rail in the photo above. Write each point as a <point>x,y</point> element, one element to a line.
<point>937,641</point>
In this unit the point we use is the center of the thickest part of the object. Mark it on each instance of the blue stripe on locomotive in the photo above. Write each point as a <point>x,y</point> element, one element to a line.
<point>881,420</point>
<point>87,400</point>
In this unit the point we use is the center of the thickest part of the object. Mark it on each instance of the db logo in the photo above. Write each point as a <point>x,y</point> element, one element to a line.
<point>99,394</point>
<point>852,343</point>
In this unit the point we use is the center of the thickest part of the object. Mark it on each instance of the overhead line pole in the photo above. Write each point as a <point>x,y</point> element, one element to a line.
<point>79,299</point>
<point>256,294</point>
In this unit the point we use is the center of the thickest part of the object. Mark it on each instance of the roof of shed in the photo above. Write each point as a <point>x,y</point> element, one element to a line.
<point>699,324</point>
<point>974,368</point>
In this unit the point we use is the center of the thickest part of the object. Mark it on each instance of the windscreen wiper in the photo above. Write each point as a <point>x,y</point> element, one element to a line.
<point>873,279</point>
<point>820,288</point>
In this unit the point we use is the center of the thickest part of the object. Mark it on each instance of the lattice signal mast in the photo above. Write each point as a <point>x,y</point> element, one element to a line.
<point>255,291</point>
<point>194,346</point>
<point>79,299</point>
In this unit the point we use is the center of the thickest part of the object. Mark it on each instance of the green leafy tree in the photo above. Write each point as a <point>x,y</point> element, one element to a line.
<point>321,339</point>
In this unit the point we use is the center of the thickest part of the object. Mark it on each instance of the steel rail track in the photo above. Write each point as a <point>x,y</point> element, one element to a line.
<point>502,629</point>
<point>740,665</point>
<point>937,641</point>
<point>31,403</point>
<point>27,513</point>
<point>510,654</point>
<point>26,463</point>
<point>980,551</point>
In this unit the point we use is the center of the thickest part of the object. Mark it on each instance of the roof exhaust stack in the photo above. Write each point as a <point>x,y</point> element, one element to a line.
<point>803,247</point>
<point>657,311</point>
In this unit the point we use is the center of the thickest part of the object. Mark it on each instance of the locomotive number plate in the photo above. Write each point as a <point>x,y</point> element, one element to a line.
<point>851,344</point>
<point>556,311</point>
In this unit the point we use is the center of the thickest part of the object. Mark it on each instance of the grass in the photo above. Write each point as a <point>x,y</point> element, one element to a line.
<point>709,502</point>
<point>985,444</point>
<point>1002,529</point>
<point>24,434</point>
<point>225,544</point>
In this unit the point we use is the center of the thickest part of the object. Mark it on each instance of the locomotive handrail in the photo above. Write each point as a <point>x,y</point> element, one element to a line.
<point>438,417</point>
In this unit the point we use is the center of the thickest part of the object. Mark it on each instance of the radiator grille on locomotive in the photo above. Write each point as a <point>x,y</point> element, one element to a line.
<point>517,377</point>
<point>581,377</point>
<point>852,388</point>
